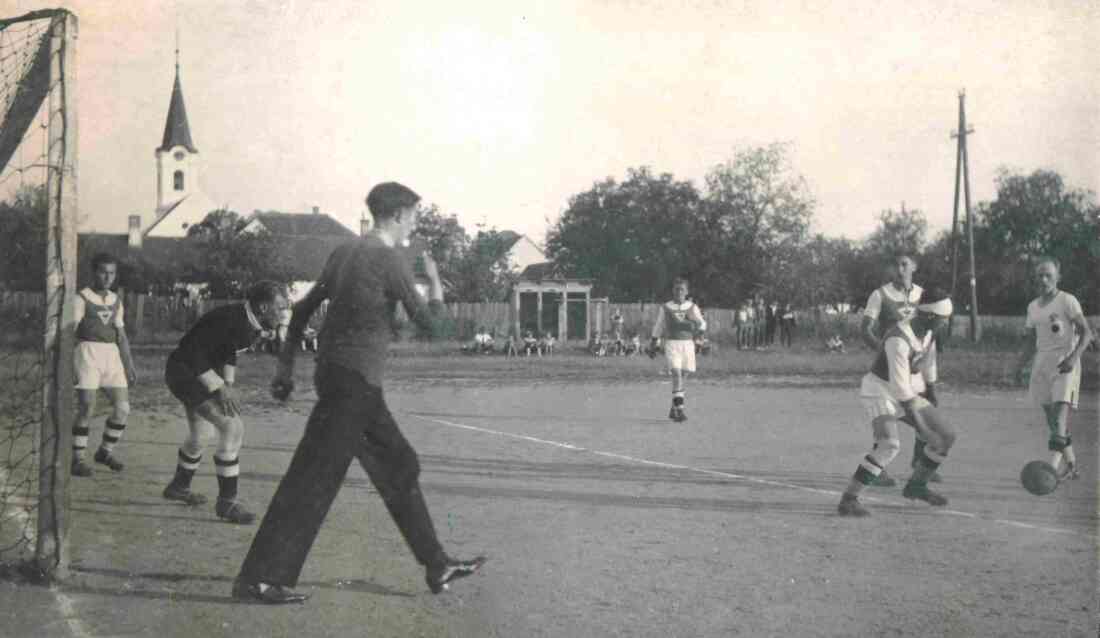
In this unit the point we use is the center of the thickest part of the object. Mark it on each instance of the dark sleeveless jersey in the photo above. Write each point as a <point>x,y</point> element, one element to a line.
<point>678,326</point>
<point>891,311</point>
<point>98,322</point>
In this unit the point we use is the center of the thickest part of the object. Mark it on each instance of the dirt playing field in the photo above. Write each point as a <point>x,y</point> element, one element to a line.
<point>600,516</point>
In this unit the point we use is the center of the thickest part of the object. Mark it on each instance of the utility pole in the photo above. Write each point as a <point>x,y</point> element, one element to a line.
<point>962,173</point>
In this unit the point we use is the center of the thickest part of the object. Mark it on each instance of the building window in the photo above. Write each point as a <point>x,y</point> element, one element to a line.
<point>177,180</point>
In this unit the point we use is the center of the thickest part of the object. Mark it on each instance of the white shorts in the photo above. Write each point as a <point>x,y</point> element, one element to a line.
<point>1049,386</point>
<point>680,354</point>
<point>877,400</point>
<point>98,365</point>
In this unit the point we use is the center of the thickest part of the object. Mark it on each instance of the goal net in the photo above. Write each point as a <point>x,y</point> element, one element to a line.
<point>37,281</point>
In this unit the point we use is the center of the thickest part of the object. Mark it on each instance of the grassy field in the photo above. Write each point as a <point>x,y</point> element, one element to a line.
<point>600,517</point>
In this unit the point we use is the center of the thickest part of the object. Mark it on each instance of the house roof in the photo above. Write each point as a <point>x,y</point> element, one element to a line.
<point>177,132</point>
<point>175,254</point>
<point>301,224</point>
<point>162,213</point>
<point>546,270</point>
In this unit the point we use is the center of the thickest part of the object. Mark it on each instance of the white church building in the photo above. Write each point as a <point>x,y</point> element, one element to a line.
<point>181,202</point>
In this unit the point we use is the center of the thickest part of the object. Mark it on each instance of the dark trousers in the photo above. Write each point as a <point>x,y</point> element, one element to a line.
<point>350,420</point>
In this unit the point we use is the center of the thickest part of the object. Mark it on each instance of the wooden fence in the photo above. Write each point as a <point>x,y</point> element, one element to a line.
<point>151,319</point>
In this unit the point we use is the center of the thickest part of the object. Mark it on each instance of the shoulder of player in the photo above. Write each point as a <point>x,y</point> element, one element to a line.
<point>86,294</point>
<point>1068,299</point>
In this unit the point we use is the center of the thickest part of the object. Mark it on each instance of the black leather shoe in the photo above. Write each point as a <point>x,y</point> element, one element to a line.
<point>266,594</point>
<point>439,577</point>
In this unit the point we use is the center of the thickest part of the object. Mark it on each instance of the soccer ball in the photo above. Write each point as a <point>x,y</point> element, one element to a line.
<point>1039,478</point>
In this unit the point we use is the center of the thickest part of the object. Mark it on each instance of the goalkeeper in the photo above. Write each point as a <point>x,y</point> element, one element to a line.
<point>677,321</point>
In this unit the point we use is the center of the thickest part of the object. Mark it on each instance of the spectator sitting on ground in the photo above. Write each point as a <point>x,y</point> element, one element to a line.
<point>634,346</point>
<point>597,347</point>
<point>835,344</point>
<point>530,344</point>
<point>546,344</point>
<point>483,340</point>
<point>511,347</point>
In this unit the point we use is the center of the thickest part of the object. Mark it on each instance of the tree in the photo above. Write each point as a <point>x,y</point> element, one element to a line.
<point>632,238</point>
<point>447,242</point>
<point>756,214</point>
<point>903,231</point>
<point>484,273</point>
<point>23,239</point>
<point>1035,215</point>
<point>227,260</point>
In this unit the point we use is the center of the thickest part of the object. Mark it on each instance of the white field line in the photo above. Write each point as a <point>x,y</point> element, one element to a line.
<point>740,477</point>
<point>64,603</point>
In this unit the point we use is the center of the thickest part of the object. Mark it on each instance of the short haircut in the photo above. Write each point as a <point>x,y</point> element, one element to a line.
<point>903,254</point>
<point>264,292</point>
<point>680,280</point>
<point>1047,259</point>
<point>385,199</point>
<point>100,259</point>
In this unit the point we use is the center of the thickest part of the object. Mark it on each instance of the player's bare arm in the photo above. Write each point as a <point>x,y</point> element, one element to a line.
<point>867,333</point>
<point>127,358</point>
<point>1073,359</point>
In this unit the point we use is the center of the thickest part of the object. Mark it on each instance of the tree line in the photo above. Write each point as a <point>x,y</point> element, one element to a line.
<point>746,235</point>
<point>743,235</point>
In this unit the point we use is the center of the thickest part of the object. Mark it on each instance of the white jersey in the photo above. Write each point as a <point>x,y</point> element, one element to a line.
<point>1053,322</point>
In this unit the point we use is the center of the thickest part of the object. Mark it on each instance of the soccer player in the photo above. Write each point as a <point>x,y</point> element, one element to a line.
<point>200,373</point>
<point>1057,336</point>
<point>677,322</point>
<point>890,392</point>
<point>364,280</point>
<point>102,360</point>
<point>891,303</point>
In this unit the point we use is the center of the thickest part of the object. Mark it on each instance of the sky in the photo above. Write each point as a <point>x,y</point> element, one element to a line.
<point>498,112</point>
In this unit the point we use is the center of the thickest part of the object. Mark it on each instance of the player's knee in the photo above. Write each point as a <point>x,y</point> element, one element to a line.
<point>1058,443</point>
<point>231,439</point>
<point>885,450</point>
<point>947,440</point>
<point>121,412</point>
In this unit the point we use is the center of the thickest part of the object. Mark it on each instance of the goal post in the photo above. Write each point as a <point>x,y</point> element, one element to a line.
<point>38,170</point>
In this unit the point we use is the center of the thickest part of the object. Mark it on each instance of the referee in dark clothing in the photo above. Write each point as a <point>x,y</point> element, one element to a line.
<point>363,282</point>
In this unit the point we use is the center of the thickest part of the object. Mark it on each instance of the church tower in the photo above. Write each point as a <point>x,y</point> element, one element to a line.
<point>177,157</point>
<point>180,201</point>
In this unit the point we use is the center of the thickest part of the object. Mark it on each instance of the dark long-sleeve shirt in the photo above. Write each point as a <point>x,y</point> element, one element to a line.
<point>216,338</point>
<point>363,280</point>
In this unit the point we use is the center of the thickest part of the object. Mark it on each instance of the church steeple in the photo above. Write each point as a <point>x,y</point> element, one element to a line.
<point>177,132</point>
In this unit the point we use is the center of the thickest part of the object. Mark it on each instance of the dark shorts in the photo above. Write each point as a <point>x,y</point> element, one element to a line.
<point>184,384</point>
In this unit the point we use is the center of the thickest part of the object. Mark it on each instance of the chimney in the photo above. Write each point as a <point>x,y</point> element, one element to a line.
<point>316,210</point>
<point>365,224</point>
<point>135,232</point>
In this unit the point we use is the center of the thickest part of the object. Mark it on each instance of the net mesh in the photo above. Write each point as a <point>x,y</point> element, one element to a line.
<point>24,150</point>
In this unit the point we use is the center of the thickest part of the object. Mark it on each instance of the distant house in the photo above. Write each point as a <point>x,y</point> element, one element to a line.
<point>309,238</point>
<point>526,252</point>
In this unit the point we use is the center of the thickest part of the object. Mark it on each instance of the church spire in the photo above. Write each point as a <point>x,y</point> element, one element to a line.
<point>176,130</point>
